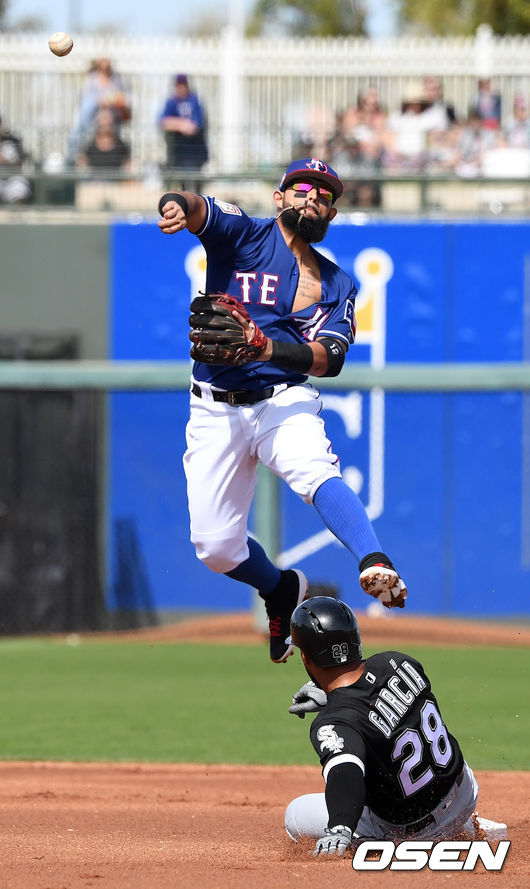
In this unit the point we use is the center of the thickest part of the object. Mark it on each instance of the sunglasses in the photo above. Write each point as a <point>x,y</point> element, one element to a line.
<point>302,189</point>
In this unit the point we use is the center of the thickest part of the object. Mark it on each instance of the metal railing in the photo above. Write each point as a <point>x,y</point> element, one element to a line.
<point>260,95</point>
<point>175,375</point>
<point>114,376</point>
<point>116,191</point>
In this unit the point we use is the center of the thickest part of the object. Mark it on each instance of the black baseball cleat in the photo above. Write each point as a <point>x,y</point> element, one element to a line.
<point>280,604</point>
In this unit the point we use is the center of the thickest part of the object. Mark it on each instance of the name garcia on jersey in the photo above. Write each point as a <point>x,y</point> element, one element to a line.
<point>396,697</point>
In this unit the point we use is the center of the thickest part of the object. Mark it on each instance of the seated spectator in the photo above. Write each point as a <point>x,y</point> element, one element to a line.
<point>15,188</point>
<point>103,88</point>
<point>357,162</point>
<point>320,127</point>
<point>406,133</point>
<point>473,141</point>
<point>487,105</point>
<point>366,123</point>
<point>106,150</point>
<point>443,152</point>
<point>438,114</point>
<point>183,123</point>
<point>367,120</point>
<point>518,127</point>
<point>356,147</point>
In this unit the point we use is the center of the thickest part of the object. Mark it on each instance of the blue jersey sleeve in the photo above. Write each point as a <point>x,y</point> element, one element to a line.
<point>340,323</point>
<point>224,226</point>
<point>229,237</point>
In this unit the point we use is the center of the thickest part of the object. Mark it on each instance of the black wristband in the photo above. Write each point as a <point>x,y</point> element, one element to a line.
<point>336,356</point>
<point>173,196</point>
<point>292,356</point>
<point>375,559</point>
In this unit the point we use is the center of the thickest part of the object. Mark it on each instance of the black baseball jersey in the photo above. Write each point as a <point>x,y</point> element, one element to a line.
<point>389,724</point>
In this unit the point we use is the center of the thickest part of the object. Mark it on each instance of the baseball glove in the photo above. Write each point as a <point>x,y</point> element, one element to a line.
<point>218,336</point>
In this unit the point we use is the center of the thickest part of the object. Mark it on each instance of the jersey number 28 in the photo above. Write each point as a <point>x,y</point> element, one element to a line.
<point>433,734</point>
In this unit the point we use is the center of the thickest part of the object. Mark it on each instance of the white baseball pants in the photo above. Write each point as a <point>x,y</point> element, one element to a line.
<point>307,816</point>
<point>225,444</point>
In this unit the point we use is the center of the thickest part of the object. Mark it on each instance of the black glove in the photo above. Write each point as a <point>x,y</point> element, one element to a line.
<point>308,699</point>
<point>335,841</point>
<point>217,334</point>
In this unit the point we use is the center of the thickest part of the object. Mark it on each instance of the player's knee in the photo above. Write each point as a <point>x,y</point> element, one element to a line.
<point>306,816</point>
<point>307,486</point>
<point>291,826</point>
<point>221,553</point>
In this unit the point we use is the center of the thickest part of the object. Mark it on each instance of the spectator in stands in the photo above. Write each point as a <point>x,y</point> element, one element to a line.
<point>406,133</point>
<point>357,162</point>
<point>183,123</point>
<point>106,150</point>
<point>357,148</point>
<point>438,114</point>
<point>518,127</point>
<point>474,139</point>
<point>15,188</point>
<point>487,105</point>
<point>366,123</point>
<point>103,89</point>
<point>443,153</point>
<point>321,125</point>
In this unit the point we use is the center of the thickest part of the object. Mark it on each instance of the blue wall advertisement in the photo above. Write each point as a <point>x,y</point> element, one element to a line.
<point>445,478</point>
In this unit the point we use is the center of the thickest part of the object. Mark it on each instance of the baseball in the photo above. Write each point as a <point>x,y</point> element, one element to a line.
<point>60,43</point>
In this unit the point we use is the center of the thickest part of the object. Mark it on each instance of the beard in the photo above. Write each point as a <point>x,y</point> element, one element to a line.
<point>311,229</point>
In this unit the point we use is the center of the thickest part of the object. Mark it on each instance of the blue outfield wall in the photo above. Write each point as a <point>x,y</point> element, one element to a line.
<point>441,475</point>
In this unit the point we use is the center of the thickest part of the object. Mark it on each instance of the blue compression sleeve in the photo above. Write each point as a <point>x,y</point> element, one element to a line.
<point>258,570</point>
<point>341,510</point>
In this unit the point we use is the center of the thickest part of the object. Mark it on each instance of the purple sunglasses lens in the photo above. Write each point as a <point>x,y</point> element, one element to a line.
<point>306,187</point>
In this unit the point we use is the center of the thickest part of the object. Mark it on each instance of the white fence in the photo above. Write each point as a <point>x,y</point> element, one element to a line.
<point>260,95</point>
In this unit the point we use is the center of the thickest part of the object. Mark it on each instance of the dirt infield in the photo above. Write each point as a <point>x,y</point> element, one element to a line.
<point>67,826</point>
<point>141,826</point>
<point>390,629</point>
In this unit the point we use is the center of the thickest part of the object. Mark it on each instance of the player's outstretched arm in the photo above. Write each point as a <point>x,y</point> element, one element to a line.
<point>179,210</point>
<point>324,358</point>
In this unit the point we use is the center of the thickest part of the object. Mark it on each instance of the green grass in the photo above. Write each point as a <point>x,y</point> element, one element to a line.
<point>214,703</point>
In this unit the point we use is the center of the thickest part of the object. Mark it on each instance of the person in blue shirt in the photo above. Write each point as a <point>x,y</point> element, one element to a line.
<point>302,305</point>
<point>182,121</point>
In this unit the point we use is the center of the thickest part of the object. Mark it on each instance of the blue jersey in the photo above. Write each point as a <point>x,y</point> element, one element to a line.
<point>189,108</point>
<point>249,259</point>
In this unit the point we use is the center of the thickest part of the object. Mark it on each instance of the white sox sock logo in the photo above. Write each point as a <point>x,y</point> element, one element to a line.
<point>417,854</point>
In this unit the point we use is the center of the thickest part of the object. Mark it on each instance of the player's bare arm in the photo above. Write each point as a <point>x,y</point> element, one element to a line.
<point>327,358</point>
<point>327,353</point>
<point>180,210</point>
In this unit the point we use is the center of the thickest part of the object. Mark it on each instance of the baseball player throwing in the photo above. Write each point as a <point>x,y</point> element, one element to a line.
<point>275,311</point>
<point>391,767</point>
